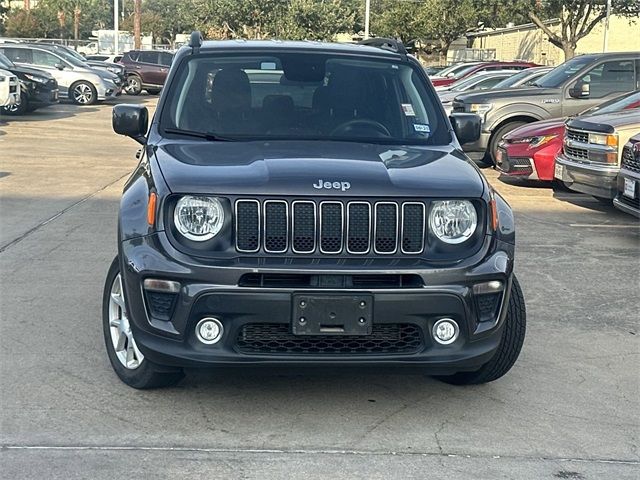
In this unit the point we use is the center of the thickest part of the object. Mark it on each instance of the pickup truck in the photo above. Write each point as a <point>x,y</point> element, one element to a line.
<point>570,88</point>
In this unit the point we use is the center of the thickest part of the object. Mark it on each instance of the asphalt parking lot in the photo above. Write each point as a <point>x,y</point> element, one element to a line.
<point>568,409</point>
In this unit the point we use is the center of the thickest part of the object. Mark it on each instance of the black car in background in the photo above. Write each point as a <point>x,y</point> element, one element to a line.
<point>628,197</point>
<point>38,88</point>
<point>308,204</point>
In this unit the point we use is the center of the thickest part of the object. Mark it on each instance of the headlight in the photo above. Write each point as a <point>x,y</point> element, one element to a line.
<point>534,141</point>
<point>480,108</point>
<point>602,139</point>
<point>453,221</point>
<point>198,218</point>
<point>33,78</point>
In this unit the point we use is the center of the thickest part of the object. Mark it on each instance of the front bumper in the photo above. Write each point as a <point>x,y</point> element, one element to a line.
<point>107,91</point>
<point>592,179</point>
<point>623,201</point>
<point>210,289</point>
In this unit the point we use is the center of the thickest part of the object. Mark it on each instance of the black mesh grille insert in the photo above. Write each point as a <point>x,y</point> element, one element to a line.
<point>386,227</point>
<point>412,227</point>
<point>277,339</point>
<point>488,305</point>
<point>304,227</point>
<point>161,304</point>
<point>331,227</point>
<point>275,226</point>
<point>629,160</point>
<point>359,227</point>
<point>247,225</point>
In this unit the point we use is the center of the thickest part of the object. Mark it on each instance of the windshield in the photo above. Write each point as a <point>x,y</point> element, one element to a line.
<point>302,96</point>
<point>518,78</point>
<point>5,62</point>
<point>556,77</point>
<point>623,102</point>
<point>447,72</point>
<point>464,83</point>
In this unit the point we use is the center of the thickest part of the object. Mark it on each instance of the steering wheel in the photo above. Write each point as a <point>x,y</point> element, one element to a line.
<point>359,126</point>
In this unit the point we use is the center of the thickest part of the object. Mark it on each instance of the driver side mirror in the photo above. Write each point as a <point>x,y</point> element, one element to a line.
<point>580,90</point>
<point>466,126</point>
<point>131,121</point>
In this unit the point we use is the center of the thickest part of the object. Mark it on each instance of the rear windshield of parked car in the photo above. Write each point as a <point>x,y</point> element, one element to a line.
<point>295,96</point>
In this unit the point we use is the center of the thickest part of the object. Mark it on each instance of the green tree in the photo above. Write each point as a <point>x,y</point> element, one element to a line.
<point>577,18</point>
<point>23,24</point>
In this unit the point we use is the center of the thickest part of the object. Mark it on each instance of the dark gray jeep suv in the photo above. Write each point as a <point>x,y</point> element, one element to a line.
<point>308,204</point>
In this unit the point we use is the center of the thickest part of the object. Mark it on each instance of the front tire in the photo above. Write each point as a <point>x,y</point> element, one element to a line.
<point>83,93</point>
<point>497,136</point>
<point>134,85</point>
<point>126,359</point>
<point>513,333</point>
<point>18,108</point>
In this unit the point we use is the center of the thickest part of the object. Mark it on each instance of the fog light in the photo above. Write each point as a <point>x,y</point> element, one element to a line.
<point>209,330</point>
<point>445,331</point>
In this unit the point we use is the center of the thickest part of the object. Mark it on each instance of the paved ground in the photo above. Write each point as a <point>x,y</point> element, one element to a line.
<point>569,408</point>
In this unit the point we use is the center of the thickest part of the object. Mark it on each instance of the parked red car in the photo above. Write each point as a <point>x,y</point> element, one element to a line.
<point>479,67</point>
<point>530,151</point>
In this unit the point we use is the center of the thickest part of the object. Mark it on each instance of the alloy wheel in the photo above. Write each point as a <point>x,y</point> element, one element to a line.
<point>122,339</point>
<point>82,94</point>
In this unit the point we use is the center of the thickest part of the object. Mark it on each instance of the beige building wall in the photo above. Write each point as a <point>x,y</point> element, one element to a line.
<point>530,43</point>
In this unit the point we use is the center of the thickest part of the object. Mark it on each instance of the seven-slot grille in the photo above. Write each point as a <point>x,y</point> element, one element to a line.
<point>330,227</point>
<point>577,136</point>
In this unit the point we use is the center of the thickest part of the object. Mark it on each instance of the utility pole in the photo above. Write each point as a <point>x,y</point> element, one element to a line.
<point>605,44</point>
<point>367,11</point>
<point>136,23</point>
<point>116,28</point>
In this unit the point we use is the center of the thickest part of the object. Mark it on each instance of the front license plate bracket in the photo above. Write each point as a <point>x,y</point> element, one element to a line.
<point>332,314</point>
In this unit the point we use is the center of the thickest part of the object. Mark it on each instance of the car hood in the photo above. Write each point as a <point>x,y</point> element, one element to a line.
<point>544,127</point>
<point>31,71</point>
<point>508,93</point>
<point>294,167</point>
<point>623,118</point>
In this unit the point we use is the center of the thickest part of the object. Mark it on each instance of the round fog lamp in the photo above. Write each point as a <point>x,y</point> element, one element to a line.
<point>209,330</point>
<point>445,331</point>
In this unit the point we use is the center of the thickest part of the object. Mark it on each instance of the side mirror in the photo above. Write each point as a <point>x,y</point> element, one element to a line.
<point>59,66</point>
<point>580,90</point>
<point>132,121</point>
<point>466,126</point>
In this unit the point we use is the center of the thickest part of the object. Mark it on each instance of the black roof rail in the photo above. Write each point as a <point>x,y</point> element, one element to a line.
<point>195,41</point>
<point>386,43</point>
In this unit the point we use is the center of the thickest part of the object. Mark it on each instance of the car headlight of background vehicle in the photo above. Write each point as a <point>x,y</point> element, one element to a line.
<point>536,141</point>
<point>453,221</point>
<point>34,78</point>
<point>198,218</point>
<point>480,109</point>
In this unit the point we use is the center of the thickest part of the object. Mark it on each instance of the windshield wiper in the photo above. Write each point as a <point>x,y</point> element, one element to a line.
<point>210,137</point>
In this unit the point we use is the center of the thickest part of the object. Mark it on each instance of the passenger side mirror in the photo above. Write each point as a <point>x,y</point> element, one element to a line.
<point>132,121</point>
<point>580,90</point>
<point>466,126</point>
<point>59,66</point>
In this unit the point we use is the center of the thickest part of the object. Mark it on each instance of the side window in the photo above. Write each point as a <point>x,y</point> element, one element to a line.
<point>610,77</point>
<point>148,57</point>
<point>18,55</point>
<point>487,83</point>
<point>133,56</point>
<point>45,59</point>
<point>166,59</point>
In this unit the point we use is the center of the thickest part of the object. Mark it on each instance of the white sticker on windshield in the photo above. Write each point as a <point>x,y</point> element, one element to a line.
<point>421,127</point>
<point>407,108</point>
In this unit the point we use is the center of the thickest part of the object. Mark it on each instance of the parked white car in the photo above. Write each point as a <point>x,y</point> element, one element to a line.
<point>9,89</point>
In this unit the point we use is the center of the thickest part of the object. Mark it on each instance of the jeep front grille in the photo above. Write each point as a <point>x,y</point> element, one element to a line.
<point>330,227</point>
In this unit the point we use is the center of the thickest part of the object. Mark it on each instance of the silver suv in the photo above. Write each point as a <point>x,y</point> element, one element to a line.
<point>77,81</point>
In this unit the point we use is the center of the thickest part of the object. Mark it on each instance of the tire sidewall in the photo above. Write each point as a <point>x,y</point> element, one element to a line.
<point>22,106</point>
